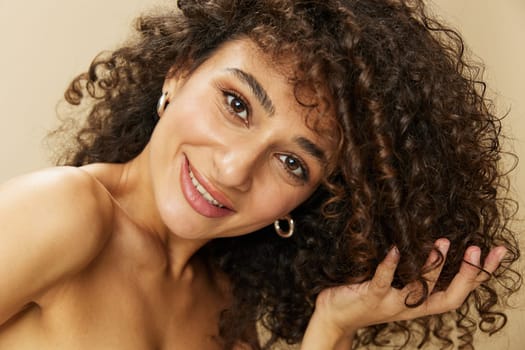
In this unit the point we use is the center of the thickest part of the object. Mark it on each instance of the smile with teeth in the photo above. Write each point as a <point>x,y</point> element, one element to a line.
<point>205,194</point>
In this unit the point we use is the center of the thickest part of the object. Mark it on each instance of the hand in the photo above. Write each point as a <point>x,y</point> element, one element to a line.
<point>347,308</point>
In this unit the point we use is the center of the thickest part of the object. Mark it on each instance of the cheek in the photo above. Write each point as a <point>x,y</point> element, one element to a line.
<point>274,200</point>
<point>188,117</point>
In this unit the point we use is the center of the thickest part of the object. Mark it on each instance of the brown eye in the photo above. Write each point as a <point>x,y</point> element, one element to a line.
<point>237,106</point>
<point>293,165</point>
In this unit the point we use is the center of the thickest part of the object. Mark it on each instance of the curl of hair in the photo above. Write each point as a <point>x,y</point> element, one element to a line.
<point>418,155</point>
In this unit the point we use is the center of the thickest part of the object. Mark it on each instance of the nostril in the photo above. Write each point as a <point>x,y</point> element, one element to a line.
<point>235,169</point>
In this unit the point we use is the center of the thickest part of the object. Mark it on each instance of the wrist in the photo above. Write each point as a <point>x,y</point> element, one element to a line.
<point>321,334</point>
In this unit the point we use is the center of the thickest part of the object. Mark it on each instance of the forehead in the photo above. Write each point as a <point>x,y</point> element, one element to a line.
<point>247,55</point>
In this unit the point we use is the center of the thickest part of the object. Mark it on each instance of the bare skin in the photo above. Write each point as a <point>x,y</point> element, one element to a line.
<point>117,292</point>
<point>106,256</point>
<point>112,287</point>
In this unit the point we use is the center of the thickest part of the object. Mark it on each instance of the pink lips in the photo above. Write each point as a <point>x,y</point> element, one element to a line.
<point>196,200</point>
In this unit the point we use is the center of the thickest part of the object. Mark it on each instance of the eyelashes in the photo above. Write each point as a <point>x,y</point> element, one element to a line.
<point>239,108</point>
<point>294,166</point>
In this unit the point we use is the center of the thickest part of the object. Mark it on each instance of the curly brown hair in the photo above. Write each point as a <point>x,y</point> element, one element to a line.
<point>418,155</point>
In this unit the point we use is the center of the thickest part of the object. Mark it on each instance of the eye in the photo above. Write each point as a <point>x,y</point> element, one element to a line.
<point>237,106</point>
<point>294,166</point>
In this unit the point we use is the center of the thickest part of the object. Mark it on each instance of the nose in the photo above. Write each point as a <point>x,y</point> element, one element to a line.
<point>236,165</point>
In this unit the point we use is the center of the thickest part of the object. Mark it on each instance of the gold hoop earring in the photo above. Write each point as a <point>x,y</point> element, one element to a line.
<point>280,231</point>
<point>162,103</point>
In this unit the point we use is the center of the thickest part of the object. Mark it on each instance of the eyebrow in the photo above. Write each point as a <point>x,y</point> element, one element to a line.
<point>263,98</point>
<point>311,148</point>
<point>256,88</point>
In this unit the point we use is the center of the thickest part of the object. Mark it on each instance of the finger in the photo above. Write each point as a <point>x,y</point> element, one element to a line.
<point>460,287</point>
<point>470,266</point>
<point>465,281</point>
<point>492,262</point>
<point>440,246</point>
<point>384,274</point>
<point>415,293</point>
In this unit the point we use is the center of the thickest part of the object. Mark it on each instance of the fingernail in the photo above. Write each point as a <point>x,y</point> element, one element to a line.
<point>475,255</point>
<point>443,246</point>
<point>395,251</point>
<point>393,254</point>
<point>502,251</point>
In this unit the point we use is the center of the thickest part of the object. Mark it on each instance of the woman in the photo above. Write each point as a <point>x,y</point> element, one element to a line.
<point>327,169</point>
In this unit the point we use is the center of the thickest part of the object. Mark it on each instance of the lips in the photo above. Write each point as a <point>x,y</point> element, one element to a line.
<point>201,196</point>
<point>203,191</point>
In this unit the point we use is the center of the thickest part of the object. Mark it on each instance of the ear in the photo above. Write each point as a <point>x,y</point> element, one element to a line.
<point>172,82</point>
<point>175,78</point>
<point>169,88</point>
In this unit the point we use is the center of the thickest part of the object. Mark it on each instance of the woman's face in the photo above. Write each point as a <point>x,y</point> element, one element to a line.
<point>232,151</point>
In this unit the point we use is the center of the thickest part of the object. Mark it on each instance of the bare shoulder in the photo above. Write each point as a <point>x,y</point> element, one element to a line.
<point>53,223</point>
<point>59,197</point>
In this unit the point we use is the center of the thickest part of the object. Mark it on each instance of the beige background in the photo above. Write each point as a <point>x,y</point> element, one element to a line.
<point>45,43</point>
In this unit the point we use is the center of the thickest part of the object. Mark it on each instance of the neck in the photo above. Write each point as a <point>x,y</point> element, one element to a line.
<point>181,256</point>
<point>131,191</point>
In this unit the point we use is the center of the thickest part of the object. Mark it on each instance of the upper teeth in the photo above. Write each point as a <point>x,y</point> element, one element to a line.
<point>203,192</point>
